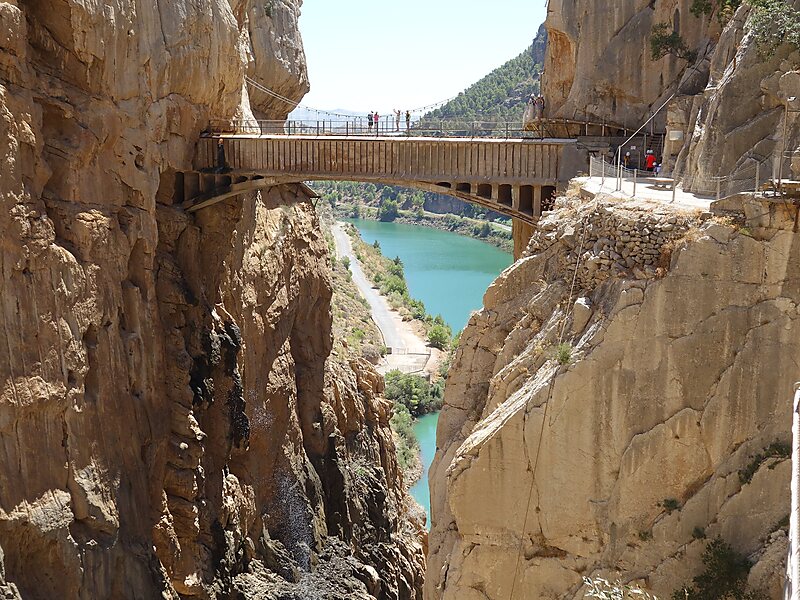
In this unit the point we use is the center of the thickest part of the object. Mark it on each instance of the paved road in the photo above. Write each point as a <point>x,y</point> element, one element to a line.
<point>381,314</point>
<point>409,353</point>
<point>645,190</point>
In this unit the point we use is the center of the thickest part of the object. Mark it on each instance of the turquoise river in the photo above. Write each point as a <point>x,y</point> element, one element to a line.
<point>450,274</point>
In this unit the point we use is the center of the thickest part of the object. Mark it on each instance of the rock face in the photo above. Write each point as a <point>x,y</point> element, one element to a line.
<point>171,422</point>
<point>598,60</point>
<point>611,422</point>
<point>741,118</point>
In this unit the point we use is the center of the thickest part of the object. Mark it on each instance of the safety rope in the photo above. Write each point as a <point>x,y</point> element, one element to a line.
<point>273,94</point>
<point>544,420</point>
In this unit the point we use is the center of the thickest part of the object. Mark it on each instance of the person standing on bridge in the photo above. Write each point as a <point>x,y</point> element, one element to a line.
<point>540,107</point>
<point>377,118</point>
<point>408,120</point>
<point>370,118</point>
<point>220,156</point>
<point>397,120</point>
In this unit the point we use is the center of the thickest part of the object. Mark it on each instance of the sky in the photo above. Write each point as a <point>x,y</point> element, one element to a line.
<point>376,55</point>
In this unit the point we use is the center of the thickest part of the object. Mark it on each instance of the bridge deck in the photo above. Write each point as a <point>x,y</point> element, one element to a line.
<point>409,158</point>
<point>512,176</point>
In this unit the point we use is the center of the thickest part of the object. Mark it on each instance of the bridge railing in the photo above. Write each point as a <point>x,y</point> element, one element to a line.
<point>390,127</point>
<point>748,179</point>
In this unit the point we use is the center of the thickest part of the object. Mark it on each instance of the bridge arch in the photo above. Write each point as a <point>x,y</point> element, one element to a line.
<point>509,176</point>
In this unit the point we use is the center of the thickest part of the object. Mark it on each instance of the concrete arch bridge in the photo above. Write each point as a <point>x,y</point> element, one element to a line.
<point>515,177</point>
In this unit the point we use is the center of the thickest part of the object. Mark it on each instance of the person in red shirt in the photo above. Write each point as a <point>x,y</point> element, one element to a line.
<point>650,161</point>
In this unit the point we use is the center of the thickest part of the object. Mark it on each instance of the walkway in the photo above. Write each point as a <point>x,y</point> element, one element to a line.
<point>515,177</point>
<point>409,353</point>
<point>645,190</point>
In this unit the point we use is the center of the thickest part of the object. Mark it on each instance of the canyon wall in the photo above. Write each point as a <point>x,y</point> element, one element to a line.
<point>171,421</point>
<point>598,61</point>
<point>613,420</point>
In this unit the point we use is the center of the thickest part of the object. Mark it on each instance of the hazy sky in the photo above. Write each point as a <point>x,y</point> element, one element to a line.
<point>381,55</point>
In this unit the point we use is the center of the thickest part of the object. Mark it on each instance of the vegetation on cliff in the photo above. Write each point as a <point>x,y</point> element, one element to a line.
<point>413,396</point>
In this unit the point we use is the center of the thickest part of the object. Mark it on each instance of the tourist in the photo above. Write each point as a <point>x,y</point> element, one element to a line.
<point>220,156</point>
<point>397,120</point>
<point>370,119</point>
<point>540,107</point>
<point>626,160</point>
<point>408,120</point>
<point>376,118</point>
<point>650,161</point>
<point>657,169</point>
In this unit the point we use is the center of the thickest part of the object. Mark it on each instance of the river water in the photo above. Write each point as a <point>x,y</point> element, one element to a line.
<point>450,274</point>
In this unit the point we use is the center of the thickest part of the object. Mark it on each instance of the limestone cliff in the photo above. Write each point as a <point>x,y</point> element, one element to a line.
<point>171,423</point>
<point>598,60</point>
<point>614,419</point>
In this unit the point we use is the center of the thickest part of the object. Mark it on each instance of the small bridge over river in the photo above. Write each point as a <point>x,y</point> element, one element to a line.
<point>515,177</point>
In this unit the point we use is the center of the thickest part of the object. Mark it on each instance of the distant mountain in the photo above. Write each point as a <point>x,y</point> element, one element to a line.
<point>503,93</point>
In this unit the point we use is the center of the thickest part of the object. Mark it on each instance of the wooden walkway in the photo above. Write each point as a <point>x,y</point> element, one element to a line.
<point>516,177</point>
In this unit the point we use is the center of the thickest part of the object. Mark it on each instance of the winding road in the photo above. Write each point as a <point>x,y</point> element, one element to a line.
<point>409,353</point>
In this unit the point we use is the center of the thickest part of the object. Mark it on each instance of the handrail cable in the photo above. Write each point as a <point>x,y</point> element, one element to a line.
<point>645,124</point>
<point>544,418</point>
<point>262,88</point>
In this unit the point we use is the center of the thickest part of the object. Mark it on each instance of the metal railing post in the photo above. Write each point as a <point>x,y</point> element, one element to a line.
<point>719,181</point>
<point>793,566</point>
<point>635,174</point>
<point>758,173</point>
<point>673,189</point>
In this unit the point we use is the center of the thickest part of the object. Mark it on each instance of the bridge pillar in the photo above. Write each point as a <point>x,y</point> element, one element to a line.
<point>521,232</point>
<point>537,201</point>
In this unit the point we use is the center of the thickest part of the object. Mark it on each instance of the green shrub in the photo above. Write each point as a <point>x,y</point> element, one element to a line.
<point>563,353</point>
<point>724,577</point>
<point>665,41</point>
<point>774,450</point>
<point>774,23</point>
<point>699,533</point>
<point>439,336</point>
<point>407,442</point>
<point>391,284</point>
<point>670,504</point>
<point>413,392</point>
<point>388,210</point>
<point>417,308</point>
<point>345,262</point>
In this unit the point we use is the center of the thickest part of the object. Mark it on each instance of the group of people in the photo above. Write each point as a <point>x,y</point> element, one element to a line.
<point>651,163</point>
<point>374,119</point>
<point>538,105</point>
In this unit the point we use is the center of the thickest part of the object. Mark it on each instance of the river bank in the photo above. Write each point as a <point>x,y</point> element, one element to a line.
<point>489,232</point>
<point>404,339</point>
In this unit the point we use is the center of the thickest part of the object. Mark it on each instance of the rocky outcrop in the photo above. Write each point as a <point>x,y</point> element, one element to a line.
<point>171,422</point>
<point>612,421</point>
<point>598,61</point>
<point>738,123</point>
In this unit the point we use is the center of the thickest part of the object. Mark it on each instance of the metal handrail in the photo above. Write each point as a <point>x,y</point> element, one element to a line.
<point>388,125</point>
